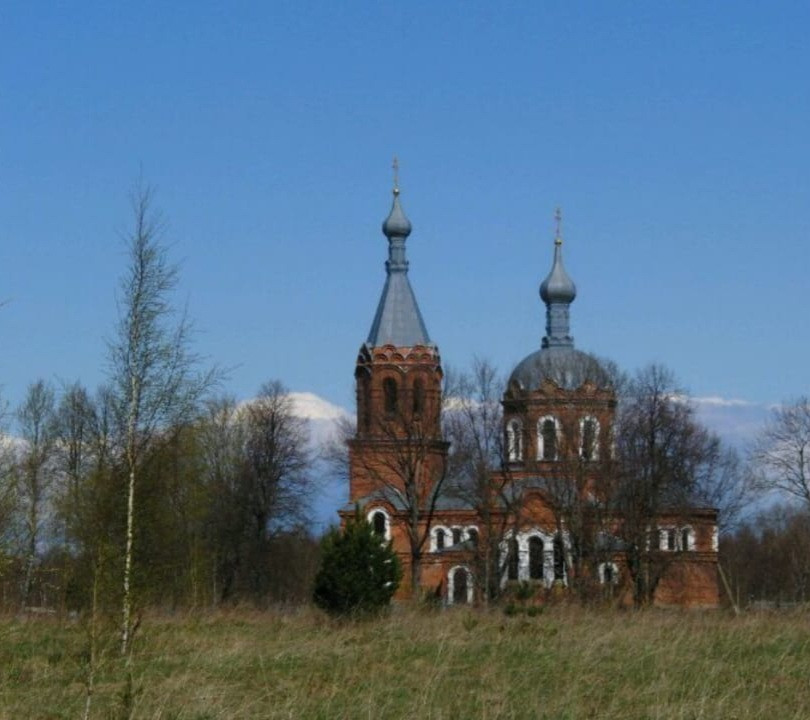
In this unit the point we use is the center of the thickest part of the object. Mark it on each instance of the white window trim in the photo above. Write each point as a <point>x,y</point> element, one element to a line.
<point>451,583</point>
<point>370,519</point>
<point>523,555</point>
<point>514,440</point>
<point>613,567</point>
<point>715,539</point>
<point>663,538</point>
<point>595,450</point>
<point>448,537</point>
<point>465,533</point>
<point>540,444</point>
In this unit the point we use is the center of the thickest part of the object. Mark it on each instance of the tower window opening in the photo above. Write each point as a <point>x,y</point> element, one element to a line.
<point>456,535</point>
<point>514,441</point>
<point>549,433</point>
<point>589,430</point>
<point>390,396</point>
<point>418,397</point>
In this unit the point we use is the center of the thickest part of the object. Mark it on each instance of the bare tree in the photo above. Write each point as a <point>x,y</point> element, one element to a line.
<point>257,464</point>
<point>667,464</point>
<point>153,373</point>
<point>478,470</point>
<point>35,470</point>
<point>8,489</point>
<point>781,455</point>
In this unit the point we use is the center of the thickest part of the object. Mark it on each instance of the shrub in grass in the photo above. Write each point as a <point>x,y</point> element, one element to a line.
<point>359,574</point>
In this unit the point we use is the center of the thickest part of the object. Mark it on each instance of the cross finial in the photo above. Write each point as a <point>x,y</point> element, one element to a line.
<point>558,222</point>
<point>395,165</point>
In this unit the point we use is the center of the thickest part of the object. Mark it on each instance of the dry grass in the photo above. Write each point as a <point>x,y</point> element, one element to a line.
<point>564,663</point>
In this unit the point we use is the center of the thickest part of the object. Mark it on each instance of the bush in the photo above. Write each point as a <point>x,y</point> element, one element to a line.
<point>358,573</point>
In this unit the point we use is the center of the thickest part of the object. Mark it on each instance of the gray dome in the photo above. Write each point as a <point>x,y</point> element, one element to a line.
<point>396,224</point>
<point>565,366</point>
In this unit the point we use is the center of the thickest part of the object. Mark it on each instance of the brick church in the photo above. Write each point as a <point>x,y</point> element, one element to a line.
<point>558,411</point>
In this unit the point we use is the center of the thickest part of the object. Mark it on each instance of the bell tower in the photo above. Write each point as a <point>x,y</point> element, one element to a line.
<point>398,377</point>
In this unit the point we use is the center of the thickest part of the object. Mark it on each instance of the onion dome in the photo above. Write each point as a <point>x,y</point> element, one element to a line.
<point>396,224</point>
<point>558,287</point>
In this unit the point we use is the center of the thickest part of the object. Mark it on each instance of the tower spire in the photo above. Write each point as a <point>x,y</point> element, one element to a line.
<point>558,292</point>
<point>397,320</point>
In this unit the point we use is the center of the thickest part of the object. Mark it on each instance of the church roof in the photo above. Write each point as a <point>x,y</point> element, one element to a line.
<point>397,320</point>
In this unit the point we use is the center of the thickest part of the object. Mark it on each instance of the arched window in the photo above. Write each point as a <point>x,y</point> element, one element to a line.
<point>512,559</point>
<point>460,590</point>
<point>535,558</point>
<point>559,558</point>
<point>379,521</point>
<point>687,539</point>
<point>670,540</point>
<point>418,397</point>
<point>390,396</point>
<point>472,536</point>
<point>589,438</point>
<point>440,539</point>
<point>514,441</point>
<point>456,535</point>
<point>547,431</point>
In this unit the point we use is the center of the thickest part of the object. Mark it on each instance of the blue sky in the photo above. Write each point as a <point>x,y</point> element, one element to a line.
<point>673,135</point>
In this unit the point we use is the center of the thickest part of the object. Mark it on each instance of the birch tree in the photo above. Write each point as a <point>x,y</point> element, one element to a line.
<point>35,470</point>
<point>154,375</point>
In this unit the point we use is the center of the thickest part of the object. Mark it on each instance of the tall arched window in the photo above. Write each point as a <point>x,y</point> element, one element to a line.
<point>535,558</point>
<point>559,558</point>
<point>547,439</point>
<point>687,539</point>
<point>378,522</point>
<point>390,396</point>
<point>589,438</point>
<point>461,589</point>
<point>514,440</point>
<point>418,397</point>
<point>513,559</point>
<point>440,539</point>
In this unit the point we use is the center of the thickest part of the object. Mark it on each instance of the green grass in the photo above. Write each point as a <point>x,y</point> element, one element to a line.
<point>564,663</point>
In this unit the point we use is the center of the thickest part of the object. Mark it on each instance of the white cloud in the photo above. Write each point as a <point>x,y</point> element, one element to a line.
<point>312,407</point>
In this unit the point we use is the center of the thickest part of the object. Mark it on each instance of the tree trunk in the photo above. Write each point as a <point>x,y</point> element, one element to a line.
<point>126,627</point>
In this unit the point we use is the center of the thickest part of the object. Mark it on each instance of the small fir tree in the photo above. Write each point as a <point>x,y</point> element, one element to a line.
<point>359,574</point>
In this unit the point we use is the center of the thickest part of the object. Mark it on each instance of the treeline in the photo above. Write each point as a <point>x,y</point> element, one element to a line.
<point>221,514</point>
<point>767,559</point>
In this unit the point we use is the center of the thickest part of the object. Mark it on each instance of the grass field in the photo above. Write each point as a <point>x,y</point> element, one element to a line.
<point>564,663</point>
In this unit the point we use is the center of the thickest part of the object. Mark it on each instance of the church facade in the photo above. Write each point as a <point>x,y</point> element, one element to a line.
<point>525,531</point>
